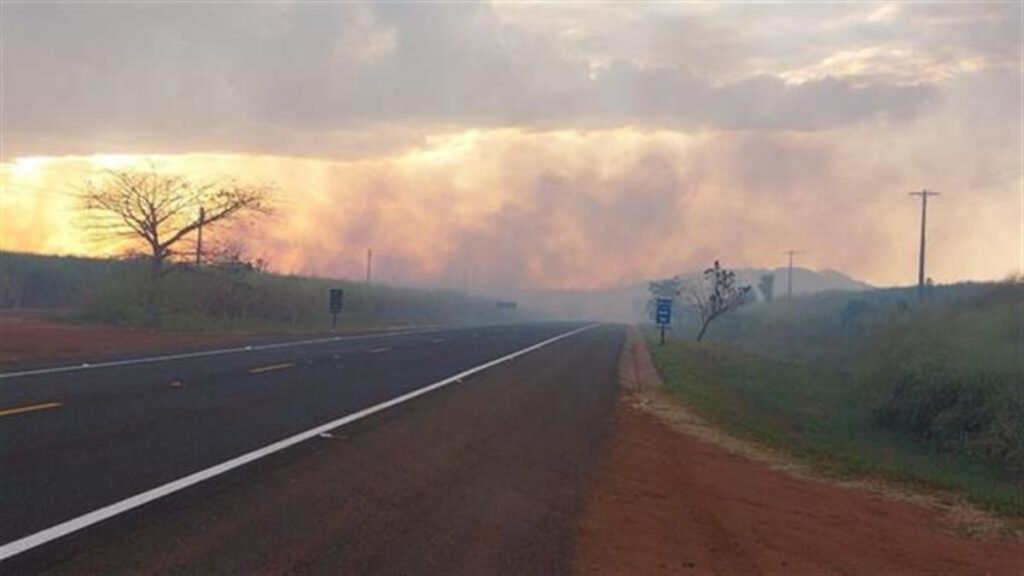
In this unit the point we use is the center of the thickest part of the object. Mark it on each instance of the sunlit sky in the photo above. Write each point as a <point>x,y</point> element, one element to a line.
<point>550,145</point>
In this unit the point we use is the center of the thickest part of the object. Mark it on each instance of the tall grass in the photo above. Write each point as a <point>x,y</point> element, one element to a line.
<point>823,416</point>
<point>223,297</point>
<point>952,375</point>
<point>878,381</point>
<point>33,281</point>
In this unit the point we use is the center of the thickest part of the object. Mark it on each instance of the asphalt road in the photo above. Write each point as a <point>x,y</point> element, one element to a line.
<point>482,475</point>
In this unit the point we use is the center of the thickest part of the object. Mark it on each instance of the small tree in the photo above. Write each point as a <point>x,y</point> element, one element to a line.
<point>715,294</point>
<point>766,286</point>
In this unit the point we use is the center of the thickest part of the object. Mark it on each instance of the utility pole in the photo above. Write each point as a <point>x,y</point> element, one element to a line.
<point>199,238</point>
<point>789,282</point>
<point>924,194</point>
<point>369,264</point>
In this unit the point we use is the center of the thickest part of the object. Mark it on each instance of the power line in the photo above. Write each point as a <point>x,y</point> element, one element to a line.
<point>789,283</point>
<point>369,264</point>
<point>924,194</point>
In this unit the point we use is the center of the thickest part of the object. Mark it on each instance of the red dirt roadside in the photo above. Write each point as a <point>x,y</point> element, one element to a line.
<point>28,336</point>
<point>664,502</point>
<point>34,337</point>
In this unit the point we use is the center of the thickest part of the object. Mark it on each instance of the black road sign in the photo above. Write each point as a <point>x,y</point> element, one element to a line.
<point>336,301</point>
<point>337,298</point>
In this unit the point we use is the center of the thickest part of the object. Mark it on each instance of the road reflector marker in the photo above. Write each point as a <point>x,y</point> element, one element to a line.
<point>32,408</point>
<point>13,548</point>
<point>271,368</point>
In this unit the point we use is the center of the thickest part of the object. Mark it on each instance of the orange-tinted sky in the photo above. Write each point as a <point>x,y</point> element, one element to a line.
<point>544,146</point>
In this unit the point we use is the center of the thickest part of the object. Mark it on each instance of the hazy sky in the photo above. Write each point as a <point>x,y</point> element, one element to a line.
<point>538,145</point>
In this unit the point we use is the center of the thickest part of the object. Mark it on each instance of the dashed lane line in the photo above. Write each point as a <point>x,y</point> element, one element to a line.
<point>31,408</point>
<point>271,368</point>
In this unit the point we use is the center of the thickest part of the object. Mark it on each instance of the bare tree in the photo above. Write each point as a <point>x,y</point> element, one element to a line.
<point>160,210</point>
<point>715,294</point>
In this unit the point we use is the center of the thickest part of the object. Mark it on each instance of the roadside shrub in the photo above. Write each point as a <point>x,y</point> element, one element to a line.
<point>952,375</point>
<point>948,372</point>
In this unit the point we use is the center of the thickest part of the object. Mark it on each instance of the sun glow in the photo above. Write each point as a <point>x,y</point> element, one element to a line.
<point>29,166</point>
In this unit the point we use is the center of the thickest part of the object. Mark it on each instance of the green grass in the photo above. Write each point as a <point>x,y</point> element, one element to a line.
<point>820,413</point>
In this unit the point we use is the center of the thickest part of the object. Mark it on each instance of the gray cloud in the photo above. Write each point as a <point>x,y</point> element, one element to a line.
<point>311,79</point>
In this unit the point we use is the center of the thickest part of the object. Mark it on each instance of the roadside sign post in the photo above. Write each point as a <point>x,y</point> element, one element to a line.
<point>336,299</point>
<point>663,315</point>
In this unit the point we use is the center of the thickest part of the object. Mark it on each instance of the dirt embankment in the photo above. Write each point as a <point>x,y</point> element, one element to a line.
<point>27,337</point>
<point>672,495</point>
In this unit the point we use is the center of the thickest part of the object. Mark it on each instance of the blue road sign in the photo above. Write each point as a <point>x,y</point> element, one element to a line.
<point>663,311</point>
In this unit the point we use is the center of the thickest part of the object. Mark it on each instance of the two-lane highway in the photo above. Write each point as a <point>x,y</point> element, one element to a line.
<point>76,442</point>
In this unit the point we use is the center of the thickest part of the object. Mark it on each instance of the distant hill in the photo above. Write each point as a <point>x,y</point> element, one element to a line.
<point>805,281</point>
<point>627,303</point>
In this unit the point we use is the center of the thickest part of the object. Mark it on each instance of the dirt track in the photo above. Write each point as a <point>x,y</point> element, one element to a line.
<point>662,502</point>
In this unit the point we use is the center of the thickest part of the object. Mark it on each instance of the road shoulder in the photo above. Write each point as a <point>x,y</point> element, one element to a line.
<point>673,495</point>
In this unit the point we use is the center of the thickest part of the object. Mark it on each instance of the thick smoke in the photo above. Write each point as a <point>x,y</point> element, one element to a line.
<point>500,211</point>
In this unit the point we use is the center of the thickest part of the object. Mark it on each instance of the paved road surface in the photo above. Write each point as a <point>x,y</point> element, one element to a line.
<point>479,476</point>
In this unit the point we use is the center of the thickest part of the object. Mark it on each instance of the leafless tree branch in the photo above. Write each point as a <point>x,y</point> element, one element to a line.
<point>715,294</point>
<point>159,210</point>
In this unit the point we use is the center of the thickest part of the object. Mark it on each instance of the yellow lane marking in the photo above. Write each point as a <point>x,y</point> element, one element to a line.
<point>379,350</point>
<point>32,408</point>
<point>271,368</point>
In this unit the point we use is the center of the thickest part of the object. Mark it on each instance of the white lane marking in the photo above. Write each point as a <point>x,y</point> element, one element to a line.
<point>379,350</point>
<point>31,541</point>
<point>251,348</point>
